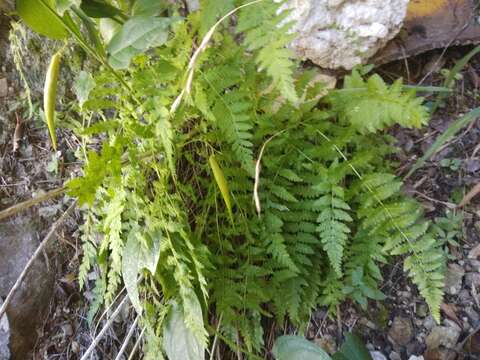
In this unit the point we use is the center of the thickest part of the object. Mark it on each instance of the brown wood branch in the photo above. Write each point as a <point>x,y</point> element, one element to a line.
<point>12,210</point>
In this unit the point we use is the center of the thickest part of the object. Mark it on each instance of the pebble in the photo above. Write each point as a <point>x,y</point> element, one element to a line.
<point>415,357</point>
<point>377,355</point>
<point>429,323</point>
<point>442,336</point>
<point>453,279</point>
<point>401,331</point>
<point>472,314</point>
<point>472,279</point>
<point>422,310</point>
<point>395,356</point>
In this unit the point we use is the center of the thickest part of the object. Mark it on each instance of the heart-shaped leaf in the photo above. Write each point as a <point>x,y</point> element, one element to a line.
<point>291,347</point>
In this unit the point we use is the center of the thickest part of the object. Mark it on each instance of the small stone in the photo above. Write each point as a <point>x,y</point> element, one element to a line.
<point>377,355</point>
<point>442,336</point>
<point>472,314</point>
<point>422,310</point>
<point>429,323</point>
<point>3,87</point>
<point>394,356</point>
<point>67,330</point>
<point>415,357</point>
<point>75,347</point>
<point>453,279</point>
<point>401,331</point>
<point>367,323</point>
<point>472,279</point>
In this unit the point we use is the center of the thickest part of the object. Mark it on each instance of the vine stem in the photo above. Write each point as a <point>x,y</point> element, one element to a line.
<point>37,252</point>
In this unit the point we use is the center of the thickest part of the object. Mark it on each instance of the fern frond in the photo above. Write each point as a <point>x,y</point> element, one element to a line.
<point>266,35</point>
<point>372,105</point>
<point>331,228</point>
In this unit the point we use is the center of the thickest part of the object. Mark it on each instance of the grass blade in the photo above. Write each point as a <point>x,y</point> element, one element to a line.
<point>450,80</point>
<point>453,129</point>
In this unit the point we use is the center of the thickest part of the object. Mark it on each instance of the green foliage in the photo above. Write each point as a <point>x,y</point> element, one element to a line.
<point>382,105</point>
<point>296,347</point>
<point>331,208</point>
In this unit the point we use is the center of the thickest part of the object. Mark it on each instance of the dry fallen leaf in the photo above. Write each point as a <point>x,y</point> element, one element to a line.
<point>17,134</point>
<point>450,311</point>
<point>471,194</point>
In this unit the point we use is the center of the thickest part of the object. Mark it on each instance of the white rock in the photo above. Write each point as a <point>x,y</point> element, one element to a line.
<point>340,33</point>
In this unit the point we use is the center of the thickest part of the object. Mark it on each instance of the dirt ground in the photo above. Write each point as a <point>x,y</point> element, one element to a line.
<point>399,328</point>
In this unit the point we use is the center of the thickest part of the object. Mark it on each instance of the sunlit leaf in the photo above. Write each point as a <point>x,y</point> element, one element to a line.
<point>179,341</point>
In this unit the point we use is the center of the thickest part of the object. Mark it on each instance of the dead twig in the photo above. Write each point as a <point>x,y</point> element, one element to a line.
<point>127,339</point>
<point>17,134</point>
<point>256,198</point>
<point>37,252</point>
<point>102,332</point>
<point>12,210</point>
<point>470,195</point>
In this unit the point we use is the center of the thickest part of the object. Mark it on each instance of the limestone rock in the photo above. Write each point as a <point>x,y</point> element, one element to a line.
<point>29,306</point>
<point>341,34</point>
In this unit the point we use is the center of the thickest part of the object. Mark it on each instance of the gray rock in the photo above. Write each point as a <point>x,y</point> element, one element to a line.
<point>340,33</point>
<point>401,331</point>
<point>442,336</point>
<point>29,305</point>
<point>429,323</point>
<point>472,279</point>
<point>415,357</point>
<point>453,279</point>
<point>394,356</point>
<point>4,337</point>
<point>377,355</point>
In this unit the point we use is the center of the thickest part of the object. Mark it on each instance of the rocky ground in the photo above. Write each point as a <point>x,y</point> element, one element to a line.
<point>47,317</point>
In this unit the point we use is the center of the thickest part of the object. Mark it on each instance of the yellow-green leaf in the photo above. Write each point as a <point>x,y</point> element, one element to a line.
<point>222,184</point>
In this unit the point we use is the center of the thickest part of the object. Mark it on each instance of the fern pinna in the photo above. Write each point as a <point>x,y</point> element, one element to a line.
<point>331,209</point>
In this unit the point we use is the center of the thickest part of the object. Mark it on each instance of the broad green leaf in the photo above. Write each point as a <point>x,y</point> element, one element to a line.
<point>291,347</point>
<point>64,5</point>
<point>82,86</point>
<point>352,349</point>
<point>148,7</point>
<point>99,9</point>
<point>178,340</point>
<point>137,35</point>
<point>135,258</point>
<point>130,269</point>
<point>36,14</point>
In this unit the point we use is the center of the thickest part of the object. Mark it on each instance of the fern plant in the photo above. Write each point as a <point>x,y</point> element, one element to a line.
<point>329,208</point>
